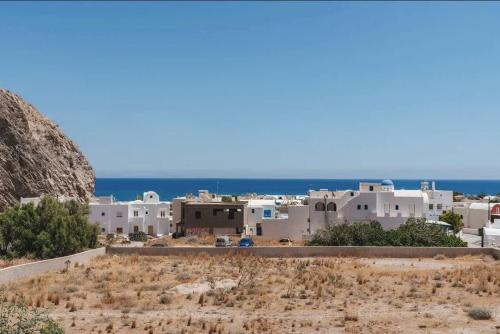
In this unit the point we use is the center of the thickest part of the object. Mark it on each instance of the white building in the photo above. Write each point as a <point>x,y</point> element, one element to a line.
<point>149,215</point>
<point>371,202</point>
<point>377,202</point>
<point>294,226</point>
<point>475,215</point>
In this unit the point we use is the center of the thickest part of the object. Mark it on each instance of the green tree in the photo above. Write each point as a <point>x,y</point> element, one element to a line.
<point>454,219</point>
<point>7,225</point>
<point>357,234</point>
<point>415,232</point>
<point>48,230</point>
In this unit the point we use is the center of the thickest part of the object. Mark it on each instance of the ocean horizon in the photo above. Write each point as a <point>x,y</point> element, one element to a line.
<point>125,189</point>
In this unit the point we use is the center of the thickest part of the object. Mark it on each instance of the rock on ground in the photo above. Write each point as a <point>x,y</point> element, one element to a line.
<point>36,157</point>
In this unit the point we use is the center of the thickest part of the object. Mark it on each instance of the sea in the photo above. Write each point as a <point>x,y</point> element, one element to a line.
<point>127,189</point>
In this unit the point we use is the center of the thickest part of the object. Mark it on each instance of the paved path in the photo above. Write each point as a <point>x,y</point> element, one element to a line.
<point>473,241</point>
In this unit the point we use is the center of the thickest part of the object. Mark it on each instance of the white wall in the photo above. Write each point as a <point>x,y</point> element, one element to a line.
<point>294,227</point>
<point>116,217</point>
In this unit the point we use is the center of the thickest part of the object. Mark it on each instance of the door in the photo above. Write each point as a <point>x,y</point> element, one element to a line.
<point>136,229</point>
<point>150,229</point>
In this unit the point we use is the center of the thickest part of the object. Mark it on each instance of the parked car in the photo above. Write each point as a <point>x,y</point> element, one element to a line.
<point>177,235</point>
<point>286,242</point>
<point>245,242</point>
<point>223,241</point>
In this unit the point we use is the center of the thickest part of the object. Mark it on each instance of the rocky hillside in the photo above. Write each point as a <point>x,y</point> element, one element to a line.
<point>36,158</point>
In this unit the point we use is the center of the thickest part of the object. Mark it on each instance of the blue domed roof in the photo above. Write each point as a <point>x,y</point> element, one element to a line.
<point>387,183</point>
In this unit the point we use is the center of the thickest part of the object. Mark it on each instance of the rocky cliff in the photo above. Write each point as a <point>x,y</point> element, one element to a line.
<point>36,158</point>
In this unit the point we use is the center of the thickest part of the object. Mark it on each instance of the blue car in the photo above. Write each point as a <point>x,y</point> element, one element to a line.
<point>245,242</point>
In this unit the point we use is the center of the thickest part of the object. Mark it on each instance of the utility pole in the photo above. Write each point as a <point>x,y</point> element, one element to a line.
<point>489,211</point>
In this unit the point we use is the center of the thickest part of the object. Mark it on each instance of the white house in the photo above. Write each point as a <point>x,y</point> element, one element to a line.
<point>149,215</point>
<point>294,226</point>
<point>377,202</point>
<point>371,202</point>
<point>476,214</point>
<point>259,210</point>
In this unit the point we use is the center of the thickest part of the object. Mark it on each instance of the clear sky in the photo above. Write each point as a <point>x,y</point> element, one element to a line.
<point>283,89</point>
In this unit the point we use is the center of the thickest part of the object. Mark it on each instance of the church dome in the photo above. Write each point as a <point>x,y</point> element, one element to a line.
<point>387,183</point>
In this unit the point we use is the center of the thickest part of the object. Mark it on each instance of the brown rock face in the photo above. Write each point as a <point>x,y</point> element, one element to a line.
<point>36,158</point>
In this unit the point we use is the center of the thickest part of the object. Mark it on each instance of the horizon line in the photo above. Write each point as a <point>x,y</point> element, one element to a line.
<point>288,178</point>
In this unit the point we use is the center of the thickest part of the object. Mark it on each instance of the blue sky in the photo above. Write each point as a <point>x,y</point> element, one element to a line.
<point>283,89</point>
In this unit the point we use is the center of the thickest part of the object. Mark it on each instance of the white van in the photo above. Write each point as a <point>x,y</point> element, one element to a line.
<point>223,241</point>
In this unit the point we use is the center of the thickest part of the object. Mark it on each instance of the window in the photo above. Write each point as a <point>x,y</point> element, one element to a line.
<point>197,214</point>
<point>431,206</point>
<point>103,230</point>
<point>119,214</point>
<point>352,193</point>
<point>366,206</point>
<point>162,213</point>
<point>371,188</point>
<point>439,206</point>
<point>147,212</point>
<point>331,206</point>
<point>136,213</point>
<point>230,215</point>
<point>319,206</point>
<point>267,213</point>
<point>150,196</point>
<point>253,210</point>
<point>216,211</point>
<point>397,207</point>
<point>119,230</point>
<point>359,206</point>
<point>136,229</point>
<point>103,214</point>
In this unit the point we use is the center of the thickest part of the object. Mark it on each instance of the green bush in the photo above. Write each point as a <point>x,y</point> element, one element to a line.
<point>454,219</point>
<point>50,229</point>
<point>416,233</point>
<point>19,319</point>
<point>357,234</point>
<point>138,236</point>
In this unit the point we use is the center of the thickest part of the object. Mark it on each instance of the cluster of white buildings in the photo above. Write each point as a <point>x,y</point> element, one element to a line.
<point>149,215</point>
<point>282,216</point>
<point>371,202</point>
<point>298,217</point>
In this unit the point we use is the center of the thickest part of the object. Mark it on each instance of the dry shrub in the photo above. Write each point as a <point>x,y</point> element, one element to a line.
<point>108,298</point>
<point>479,314</point>
<point>165,299</point>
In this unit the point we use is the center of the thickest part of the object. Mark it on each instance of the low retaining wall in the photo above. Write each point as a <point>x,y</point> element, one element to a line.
<point>314,251</point>
<point>473,231</point>
<point>40,267</point>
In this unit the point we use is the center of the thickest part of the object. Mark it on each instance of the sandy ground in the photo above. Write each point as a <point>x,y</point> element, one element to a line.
<point>201,294</point>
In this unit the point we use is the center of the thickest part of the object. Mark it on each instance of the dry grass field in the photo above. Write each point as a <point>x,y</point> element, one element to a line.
<point>201,294</point>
